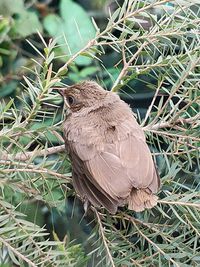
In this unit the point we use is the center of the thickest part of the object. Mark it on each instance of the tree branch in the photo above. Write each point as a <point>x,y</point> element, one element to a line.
<point>171,123</point>
<point>126,65</point>
<point>94,41</point>
<point>180,203</point>
<point>17,253</point>
<point>33,170</point>
<point>24,156</point>
<point>151,242</point>
<point>101,230</point>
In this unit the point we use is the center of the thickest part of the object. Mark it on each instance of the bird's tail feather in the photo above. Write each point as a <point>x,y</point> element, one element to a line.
<point>140,200</point>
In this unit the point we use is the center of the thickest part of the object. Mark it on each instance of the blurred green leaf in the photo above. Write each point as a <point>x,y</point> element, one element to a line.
<point>26,24</point>
<point>8,88</point>
<point>77,76</point>
<point>76,27</point>
<point>10,7</point>
<point>4,28</point>
<point>52,24</point>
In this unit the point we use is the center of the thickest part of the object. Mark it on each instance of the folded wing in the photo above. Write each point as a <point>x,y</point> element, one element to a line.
<point>106,173</point>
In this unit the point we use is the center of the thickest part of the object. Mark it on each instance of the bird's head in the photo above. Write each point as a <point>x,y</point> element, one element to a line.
<point>82,95</point>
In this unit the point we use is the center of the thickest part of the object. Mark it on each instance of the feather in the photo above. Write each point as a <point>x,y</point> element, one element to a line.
<point>109,173</point>
<point>111,162</point>
<point>87,191</point>
<point>139,200</point>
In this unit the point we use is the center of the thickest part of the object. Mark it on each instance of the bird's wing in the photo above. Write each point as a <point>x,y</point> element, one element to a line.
<point>88,191</point>
<point>114,168</point>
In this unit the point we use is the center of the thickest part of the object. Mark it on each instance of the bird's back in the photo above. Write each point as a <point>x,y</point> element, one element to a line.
<point>111,162</point>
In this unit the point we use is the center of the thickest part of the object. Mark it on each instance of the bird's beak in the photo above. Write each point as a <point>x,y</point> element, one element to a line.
<point>60,90</point>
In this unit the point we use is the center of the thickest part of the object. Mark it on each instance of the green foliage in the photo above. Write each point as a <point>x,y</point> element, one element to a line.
<point>154,49</point>
<point>16,23</point>
<point>24,23</point>
<point>11,7</point>
<point>35,249</point>
<point>74,29</point>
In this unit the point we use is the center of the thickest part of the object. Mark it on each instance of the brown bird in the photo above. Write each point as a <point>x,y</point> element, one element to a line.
<point>111,162</point>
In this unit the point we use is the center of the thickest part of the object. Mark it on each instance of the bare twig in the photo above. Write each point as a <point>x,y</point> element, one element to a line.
<point>171,123</point>
<point>24,156</point>
<point>33,170</point>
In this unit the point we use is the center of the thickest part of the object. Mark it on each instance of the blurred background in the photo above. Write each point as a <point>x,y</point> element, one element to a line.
<point>21,52</point>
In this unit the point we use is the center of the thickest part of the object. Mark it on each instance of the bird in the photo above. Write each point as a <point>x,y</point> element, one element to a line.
<point>112,165</point>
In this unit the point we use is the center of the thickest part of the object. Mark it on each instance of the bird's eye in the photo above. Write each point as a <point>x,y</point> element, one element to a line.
<point>71,100</point>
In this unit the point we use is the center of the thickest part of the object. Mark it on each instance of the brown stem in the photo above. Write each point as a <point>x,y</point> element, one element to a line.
<point>24,156</point>
<point>37,171</point>
<point>171,123</point>
<point>127,65</point>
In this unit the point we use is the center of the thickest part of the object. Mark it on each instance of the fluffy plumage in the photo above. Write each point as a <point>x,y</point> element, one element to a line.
<point>111,162</point>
